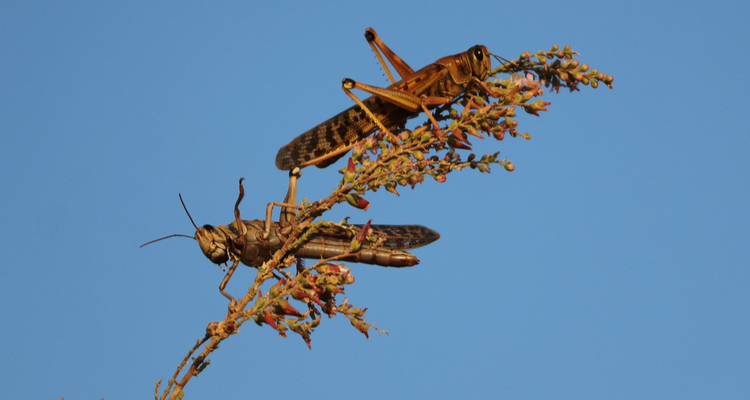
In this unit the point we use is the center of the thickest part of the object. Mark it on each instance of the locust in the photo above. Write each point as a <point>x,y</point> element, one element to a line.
<point>254,242</point>
<point>436,84</point>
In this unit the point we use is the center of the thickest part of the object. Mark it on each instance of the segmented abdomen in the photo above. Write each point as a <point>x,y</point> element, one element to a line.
<point>322,247</point>
<point>389,254</point>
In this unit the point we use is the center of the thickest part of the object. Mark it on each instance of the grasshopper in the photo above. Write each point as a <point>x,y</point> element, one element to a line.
<point>436,84</point>
<point>254,242</point>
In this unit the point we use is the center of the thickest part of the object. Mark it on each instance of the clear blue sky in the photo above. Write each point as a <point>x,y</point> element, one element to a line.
<point>612,263</point>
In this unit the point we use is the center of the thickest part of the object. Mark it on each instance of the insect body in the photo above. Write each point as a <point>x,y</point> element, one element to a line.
<point>220,244</point>
<point>255,242</point>
<point>438,83</point>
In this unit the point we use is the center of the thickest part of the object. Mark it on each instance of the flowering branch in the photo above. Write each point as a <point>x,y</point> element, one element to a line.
<point>389,160</point>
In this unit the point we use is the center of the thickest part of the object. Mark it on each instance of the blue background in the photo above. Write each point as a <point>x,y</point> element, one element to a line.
<point>613,263</point>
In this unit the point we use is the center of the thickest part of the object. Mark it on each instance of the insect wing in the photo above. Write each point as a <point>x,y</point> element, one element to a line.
<point>404,237</point>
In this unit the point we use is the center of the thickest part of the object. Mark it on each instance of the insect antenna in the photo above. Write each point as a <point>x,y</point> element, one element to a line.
<point>167,237</point>
<point>177,234</point>
<point>186,211</point>
<point>503,60</point>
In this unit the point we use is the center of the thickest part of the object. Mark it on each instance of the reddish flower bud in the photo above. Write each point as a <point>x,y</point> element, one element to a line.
<point>357,201</point>
<point>283,307</point>
<point>299,295</point>
<point>350,171</point>
<point>459,135</point>
<point>268,318</point>
<point>361,326</point>
<point>509,166</point>
<point>362,237</point>
<point>316,299</point>
<point>328,269</point>
<point>454,142</point>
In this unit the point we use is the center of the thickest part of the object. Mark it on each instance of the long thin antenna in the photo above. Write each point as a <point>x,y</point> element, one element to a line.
<point>167,237</point>
<point>183,206</point>
<point>503,60</point>
<point>177,234</point>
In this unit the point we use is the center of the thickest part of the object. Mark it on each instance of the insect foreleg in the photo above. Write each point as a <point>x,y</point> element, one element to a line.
<point>224,281</point>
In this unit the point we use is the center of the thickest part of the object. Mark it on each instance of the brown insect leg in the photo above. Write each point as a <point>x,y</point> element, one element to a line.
<point>224,282</point>
<point>347,84</point>
<point>402,68</point>
<point>288,215</point>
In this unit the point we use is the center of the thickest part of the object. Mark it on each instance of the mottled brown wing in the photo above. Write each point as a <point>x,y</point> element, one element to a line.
<point>352,124</point>
<point>340,131</point>
<point>401,237</point>
<point>405,237</point>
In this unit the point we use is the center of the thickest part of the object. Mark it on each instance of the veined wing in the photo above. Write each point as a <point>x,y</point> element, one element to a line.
<point>405,237</point>
<point>352,124</point>
<point>397,237</point>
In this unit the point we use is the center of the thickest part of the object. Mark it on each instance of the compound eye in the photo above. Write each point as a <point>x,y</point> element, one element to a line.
<point>208,227</point>
<point>478,53</point>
